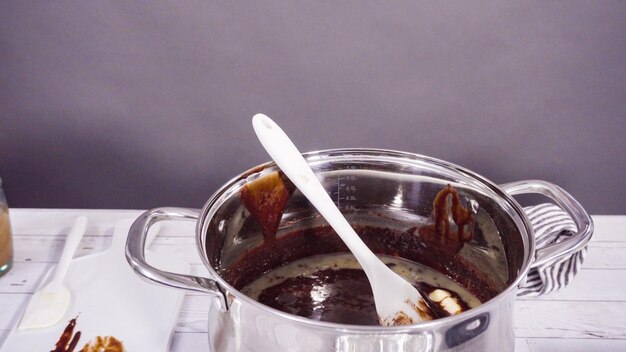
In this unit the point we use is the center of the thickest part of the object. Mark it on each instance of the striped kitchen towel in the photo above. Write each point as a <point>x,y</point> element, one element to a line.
<point>551,225</point>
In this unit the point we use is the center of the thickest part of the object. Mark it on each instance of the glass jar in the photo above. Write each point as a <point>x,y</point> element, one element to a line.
<point>6,243</point>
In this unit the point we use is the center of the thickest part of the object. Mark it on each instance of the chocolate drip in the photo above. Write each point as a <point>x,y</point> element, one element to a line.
<point>265,199</point>
<point>440,234</point>
<point>67,342</point>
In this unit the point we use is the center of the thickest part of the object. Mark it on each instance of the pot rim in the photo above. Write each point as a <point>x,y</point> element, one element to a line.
<point>528,241</point>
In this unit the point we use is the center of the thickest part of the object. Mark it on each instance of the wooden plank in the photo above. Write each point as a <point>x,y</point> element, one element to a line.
<point>521,345</point>
<point>10,306</point>
<point>186,342</point>
<point>570,319</point>
<point>575,345</point>
<point>58,221</point>
<point>47,249</point>
<point>609,228</point>
<point>590,285</point>
<point>606,255</point>
<point>100,222</point>
<point>23,277</point>
<point>194,314</point>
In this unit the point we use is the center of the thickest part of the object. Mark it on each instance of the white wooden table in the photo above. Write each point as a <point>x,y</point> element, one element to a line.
<point>589,315</point>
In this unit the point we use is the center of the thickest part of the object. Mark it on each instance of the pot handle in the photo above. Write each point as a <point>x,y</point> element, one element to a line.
<point>135,252</point>
<point>568,204</point>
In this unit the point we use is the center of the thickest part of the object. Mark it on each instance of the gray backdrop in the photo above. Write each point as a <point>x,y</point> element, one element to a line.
<point>121,104</point>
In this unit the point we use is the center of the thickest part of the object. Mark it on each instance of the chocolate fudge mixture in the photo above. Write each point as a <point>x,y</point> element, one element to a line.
<point>310,272</point>
<point>333,288</point>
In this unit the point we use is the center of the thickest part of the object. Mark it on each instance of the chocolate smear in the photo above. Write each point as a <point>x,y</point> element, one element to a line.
<point>68,340</point>
<point>265,198</point>
<point>441,234</point>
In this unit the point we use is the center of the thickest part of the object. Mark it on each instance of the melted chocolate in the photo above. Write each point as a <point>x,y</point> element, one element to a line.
<point>265,199</point>
<point>339,296</point>
<point>323,240</point>
<point>344,295</point>
<point>67,342</point>
<point>440,234</point>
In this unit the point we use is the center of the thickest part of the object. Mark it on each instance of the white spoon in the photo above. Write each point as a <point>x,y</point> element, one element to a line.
<point>397,301</point>
<point>48,305</point>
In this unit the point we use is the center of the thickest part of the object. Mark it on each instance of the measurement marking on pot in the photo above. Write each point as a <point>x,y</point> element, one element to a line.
<point>346,192</point>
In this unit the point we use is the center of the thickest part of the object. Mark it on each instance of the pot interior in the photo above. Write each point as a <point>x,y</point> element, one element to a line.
<point>388,198</point>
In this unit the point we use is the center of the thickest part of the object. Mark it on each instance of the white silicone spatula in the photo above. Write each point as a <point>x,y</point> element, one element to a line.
<point>48,305</point>
<point>397,301</point>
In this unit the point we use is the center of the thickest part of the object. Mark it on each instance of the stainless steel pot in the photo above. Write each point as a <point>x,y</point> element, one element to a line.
<point>378,187</point>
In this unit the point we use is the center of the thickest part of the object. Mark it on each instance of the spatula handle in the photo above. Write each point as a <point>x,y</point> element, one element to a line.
<point>71,244</point>
<point>287,156</point>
